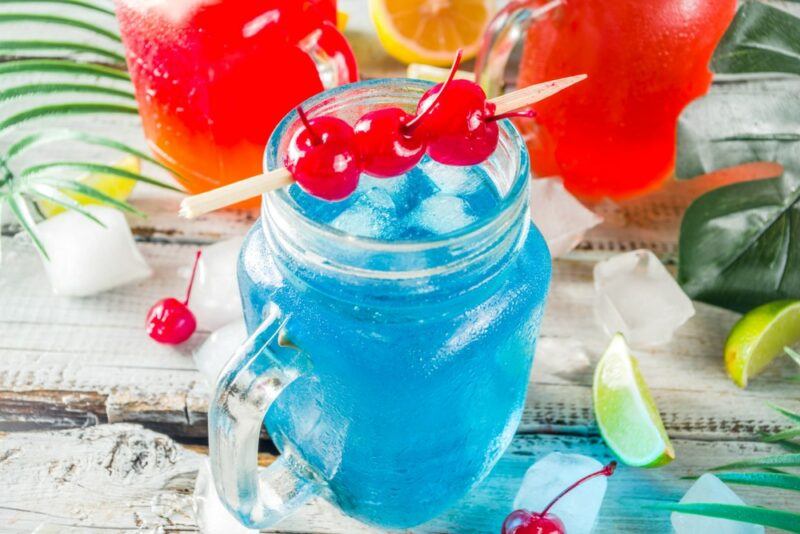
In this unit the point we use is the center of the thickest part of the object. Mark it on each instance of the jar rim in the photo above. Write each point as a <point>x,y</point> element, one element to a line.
<point>283,201</point>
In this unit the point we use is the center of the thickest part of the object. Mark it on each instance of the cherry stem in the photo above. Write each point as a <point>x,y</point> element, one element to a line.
<point>304,119</point>
<point>528,113</point>
<point>191,278</point>
<point>607,471</point>
<point>413,123</point>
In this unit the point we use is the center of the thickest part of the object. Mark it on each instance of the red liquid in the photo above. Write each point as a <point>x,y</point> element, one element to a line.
<point>614,134</point>
<point>214,77</point>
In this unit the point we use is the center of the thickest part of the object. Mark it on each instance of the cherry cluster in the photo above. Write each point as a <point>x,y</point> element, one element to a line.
<point>326,155</point>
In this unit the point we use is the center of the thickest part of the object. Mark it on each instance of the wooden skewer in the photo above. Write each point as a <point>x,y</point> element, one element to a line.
<point>197,205</point>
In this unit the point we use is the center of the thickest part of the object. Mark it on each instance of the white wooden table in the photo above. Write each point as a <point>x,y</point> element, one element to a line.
<point>79,376</point>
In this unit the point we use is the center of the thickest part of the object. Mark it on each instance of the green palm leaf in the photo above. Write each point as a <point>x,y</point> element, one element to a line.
<point>10,18</point>
<point>54,195</point>
<point>47,169</point>
<point>787,521</point>
<point>783,411</point>
<point>89,191</point>
<point>57,46</point>
<point>76,3</point>
<point>73,108</point>
<point>780,460</point>
<point>50,88</point>
<point>789,433</point>
<point>20,210</point>
<point>770,480</point>
<point>62,66</point>
<point>41,138</point>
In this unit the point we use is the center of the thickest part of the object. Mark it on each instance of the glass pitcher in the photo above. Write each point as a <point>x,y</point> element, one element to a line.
<point>213,78</point>
<point>391,375</point>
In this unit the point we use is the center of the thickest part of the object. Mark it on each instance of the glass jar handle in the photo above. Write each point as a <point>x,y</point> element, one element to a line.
<point>260,370</point>
<point>331,53</point>
<point>504,32</point>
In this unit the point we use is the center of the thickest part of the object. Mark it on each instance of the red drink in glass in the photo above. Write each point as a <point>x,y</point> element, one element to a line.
<point>214,77</point>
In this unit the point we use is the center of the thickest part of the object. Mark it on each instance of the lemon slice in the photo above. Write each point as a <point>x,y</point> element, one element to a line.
<point>430,31</point>
<point>626,414</point>
<point>759,337</point>
<point>113,186</point>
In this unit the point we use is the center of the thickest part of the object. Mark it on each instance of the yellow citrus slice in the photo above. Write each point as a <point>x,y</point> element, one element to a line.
<point>419,71</point>
<point>626,413</point>
<point>759,337</point>
<point>430,31</point>
<point>114,186</point>
<point>341,20</point>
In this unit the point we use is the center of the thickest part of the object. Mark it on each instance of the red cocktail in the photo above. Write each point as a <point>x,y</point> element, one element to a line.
<point>214,77</point>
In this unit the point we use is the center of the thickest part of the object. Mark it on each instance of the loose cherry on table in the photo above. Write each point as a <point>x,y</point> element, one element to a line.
<point>323,157</point>
<point>527,522</point>
<point>170,321</point>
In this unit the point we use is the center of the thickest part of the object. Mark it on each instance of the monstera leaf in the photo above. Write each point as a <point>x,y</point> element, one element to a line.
<point>740,244</point>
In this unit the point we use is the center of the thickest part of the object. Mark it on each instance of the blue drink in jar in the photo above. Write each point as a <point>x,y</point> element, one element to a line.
<point>392,333</point>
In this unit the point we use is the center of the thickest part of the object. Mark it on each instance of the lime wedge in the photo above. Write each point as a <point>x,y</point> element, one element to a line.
<point>626,414</point>
<point>759,337</point>
<point>114,186</point>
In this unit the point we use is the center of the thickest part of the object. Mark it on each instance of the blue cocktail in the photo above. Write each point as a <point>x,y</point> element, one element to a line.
<point>392,333</point>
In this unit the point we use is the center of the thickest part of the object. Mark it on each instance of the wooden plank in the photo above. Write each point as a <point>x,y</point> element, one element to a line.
<point>78,361</point>
<point>125,477</point>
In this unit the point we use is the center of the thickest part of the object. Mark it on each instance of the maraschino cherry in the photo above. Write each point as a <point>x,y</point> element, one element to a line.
<point>387,146</point>
<point>459,122</point>
<point>171,321</point>
<point>527,522</point>
<point>323,158</point>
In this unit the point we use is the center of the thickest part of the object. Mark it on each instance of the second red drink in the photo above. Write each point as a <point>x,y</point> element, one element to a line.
<point>213,78</point>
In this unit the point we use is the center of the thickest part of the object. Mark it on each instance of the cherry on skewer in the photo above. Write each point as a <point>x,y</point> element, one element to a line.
<point>527,522</point>
<point>386,145</point>
<point>170,321</point>
<point>323,158</point>
<point>336,153</point>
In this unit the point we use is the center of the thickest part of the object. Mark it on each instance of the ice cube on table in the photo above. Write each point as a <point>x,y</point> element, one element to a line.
<point>372,214</point>
<point>710,489</point>
<point>554,473</point>
<point>211,515</point>
<point>86,258</point>
<point>217,349</point>
<point>561,218</point>
<point>440,214</point>
<point>637,296</point>
<point>215,297</point>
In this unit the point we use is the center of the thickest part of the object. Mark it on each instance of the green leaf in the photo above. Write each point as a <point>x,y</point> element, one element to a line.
<point>50,88</point>
<point>62,66</point>
<point>13,18</point>
<point>780,460</point>
<point>739,122</point>
<point>769,480</point>
<point>20,210</point>
<point>57,46</point>
<point>740,244</point>
<point>746,514</point>
<point>789,433</point>
<point>52,136</point>
<point>73,108</point>
<point>48,169</point>
<point>77,3</point>
<point>89,191</point>
<point>761,38</point>
<point>54,195</point>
